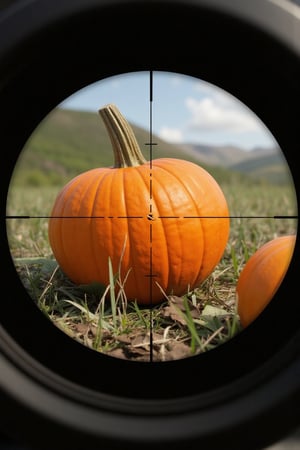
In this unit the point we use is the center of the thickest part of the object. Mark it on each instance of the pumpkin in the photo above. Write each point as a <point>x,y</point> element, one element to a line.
<point>261,277</point>
<point>163,224</point>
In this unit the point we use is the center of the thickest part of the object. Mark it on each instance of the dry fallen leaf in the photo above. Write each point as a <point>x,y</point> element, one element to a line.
<point>176,309</point>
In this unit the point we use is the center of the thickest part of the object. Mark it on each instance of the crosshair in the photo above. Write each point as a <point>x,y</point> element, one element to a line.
<point>150,216</point>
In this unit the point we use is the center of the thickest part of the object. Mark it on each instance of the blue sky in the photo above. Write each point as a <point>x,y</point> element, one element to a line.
<point>184,109</point>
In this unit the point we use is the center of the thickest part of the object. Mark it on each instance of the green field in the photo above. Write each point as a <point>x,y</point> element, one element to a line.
<point>101,317</point>
<point>108,323</point>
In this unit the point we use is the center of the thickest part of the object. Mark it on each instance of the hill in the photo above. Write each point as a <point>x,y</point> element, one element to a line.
<point>271,166</point>
<point>70,142</point>
<point>223,155</point>
<point>266,164</point>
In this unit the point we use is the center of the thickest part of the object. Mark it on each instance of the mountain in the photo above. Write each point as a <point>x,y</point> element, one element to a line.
<point>269,165</point>
<point>70,142</point>
<point>223,156</point>
<point>264,164</point>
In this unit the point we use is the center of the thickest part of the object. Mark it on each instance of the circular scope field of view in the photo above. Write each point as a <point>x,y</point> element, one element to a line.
<point>151,216</point>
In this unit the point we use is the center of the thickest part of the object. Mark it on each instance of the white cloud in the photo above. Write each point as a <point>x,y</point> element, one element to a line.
<point>173,135</point>
<point>219,113</point>
<point>218,94</point>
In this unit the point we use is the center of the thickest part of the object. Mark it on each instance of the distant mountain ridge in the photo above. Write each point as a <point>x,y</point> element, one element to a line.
<point>224,156</point>
<point>229,155</point>
<point>69,142</point>
<point>261,163</point>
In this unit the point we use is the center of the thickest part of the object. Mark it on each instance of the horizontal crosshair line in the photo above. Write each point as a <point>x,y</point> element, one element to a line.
<point>227,217</point>
<point>75,217</point>
<point>240,217</point>
<point>147,217</point>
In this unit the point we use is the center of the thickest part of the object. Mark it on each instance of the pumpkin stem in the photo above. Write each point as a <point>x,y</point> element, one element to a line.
<point>125,146</point>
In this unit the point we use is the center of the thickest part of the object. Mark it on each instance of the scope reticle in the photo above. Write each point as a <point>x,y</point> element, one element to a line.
<point>183,323</point>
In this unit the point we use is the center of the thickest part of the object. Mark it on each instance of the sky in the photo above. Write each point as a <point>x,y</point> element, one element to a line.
<point>183,109</point>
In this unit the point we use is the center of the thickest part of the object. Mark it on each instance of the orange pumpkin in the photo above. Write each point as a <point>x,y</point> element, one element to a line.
<point>261,277</point>
<point>163,224</point>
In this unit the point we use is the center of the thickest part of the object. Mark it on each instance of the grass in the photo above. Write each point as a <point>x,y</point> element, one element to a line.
<point>101,317</point>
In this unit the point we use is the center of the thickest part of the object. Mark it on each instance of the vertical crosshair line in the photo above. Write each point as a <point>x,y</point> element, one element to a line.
<point>150,211</point>
<point>150,117</point>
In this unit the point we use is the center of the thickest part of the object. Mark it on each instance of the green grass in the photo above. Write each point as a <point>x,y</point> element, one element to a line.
<point>101,318</point>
